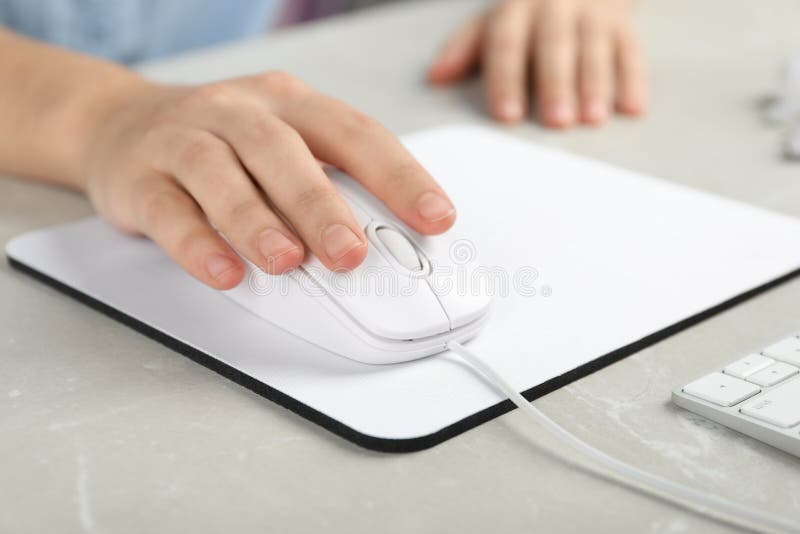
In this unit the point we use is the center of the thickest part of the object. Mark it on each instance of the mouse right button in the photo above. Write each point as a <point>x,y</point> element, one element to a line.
<point>463,307</point>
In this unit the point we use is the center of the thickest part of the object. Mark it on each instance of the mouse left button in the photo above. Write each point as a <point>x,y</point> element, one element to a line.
<point>400,248</point>
<point>384,303</point>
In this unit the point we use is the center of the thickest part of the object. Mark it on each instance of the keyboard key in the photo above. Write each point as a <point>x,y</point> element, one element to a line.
<point>779,406</point>
<point>786,350</point>
<point>777,372</point>
<point>721,389</point>
<point>748,365</point>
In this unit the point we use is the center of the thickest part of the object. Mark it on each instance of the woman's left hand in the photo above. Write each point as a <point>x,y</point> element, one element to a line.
<point>569,60</point>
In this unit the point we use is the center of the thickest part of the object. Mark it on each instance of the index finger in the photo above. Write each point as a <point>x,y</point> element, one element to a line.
<point>361,147</point>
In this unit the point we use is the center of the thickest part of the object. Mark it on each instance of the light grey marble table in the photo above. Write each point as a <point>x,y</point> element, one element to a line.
<point>105,430</point>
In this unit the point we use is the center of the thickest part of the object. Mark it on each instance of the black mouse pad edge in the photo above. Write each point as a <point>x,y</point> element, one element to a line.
<point>386,444</point>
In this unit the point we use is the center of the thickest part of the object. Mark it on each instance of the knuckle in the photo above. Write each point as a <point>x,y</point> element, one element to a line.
<point>401,177</point>
<point>282,83</point>
<point>314,196</point>
<point>214,94</point>
<point>157,206</point>
<point>358,125</point>
<point>155,136</point>
<point>503,10</point>
<point>188,242</point>
<point>557,26</point>
<point>193,151</point>
<point>555,35</point>
<point>506,44</point>
<point>243,210</point>
<point>267,130</point>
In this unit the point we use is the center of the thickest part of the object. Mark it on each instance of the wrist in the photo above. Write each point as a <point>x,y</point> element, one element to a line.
<point>53,102</point>
<point>98,111</point>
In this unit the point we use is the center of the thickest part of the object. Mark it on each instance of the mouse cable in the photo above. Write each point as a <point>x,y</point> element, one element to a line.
<point>684,496</point>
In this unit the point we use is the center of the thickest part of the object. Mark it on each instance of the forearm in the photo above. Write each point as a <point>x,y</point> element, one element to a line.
<point>50,103</point>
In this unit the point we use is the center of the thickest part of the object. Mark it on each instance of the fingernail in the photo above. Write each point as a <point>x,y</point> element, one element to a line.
<point>633,106</point>
<point>562,114</point>
<point>273,244</point>
<point>596,111</point>
<point>434,207</point>
<point>217,265</point>
<point>510,109</point>
<point>339,240</point>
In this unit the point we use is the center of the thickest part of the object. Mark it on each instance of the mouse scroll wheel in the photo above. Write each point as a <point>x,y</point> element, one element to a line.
<point>400,247</point>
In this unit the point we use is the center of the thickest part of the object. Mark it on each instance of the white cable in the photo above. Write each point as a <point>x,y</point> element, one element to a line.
<point>676,493</point>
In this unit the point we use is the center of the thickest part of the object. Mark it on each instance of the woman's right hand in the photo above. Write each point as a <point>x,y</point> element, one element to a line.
<point>179,163</point>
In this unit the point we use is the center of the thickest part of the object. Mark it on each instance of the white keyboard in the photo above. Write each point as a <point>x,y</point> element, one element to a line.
<point>758,395</point>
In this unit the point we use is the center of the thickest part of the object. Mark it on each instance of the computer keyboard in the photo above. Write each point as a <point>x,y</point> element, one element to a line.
<point>757,395</point>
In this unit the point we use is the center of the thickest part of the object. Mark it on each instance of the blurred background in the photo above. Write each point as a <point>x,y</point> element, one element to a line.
<point>298,11</point>
<point>130,31</point>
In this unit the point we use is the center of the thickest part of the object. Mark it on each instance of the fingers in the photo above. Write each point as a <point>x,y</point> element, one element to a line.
<point>505,56</point>
<point>595,65</point>
<point>631,78</point>
<point>280,162</point>
<point>459,55</point>
<point>555,57</point>
<point>584,57</point>
<point>365,150</point>
<point>209,170</point>
<point>168,216</point>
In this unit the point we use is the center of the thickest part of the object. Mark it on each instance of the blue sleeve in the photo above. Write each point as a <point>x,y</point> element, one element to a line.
<point>134,30</point>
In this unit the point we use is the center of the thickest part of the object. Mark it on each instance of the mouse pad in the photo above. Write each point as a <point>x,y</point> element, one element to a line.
<point>587,263</point>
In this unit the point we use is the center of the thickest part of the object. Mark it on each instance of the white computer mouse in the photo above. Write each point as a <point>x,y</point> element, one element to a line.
<point>398,305</point>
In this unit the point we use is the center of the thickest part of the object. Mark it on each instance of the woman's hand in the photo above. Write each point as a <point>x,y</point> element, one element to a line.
<point>570,60</point>
<point>179,163</point>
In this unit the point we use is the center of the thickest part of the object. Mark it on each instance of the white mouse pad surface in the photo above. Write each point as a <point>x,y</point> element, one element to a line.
<point>588,264</point>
